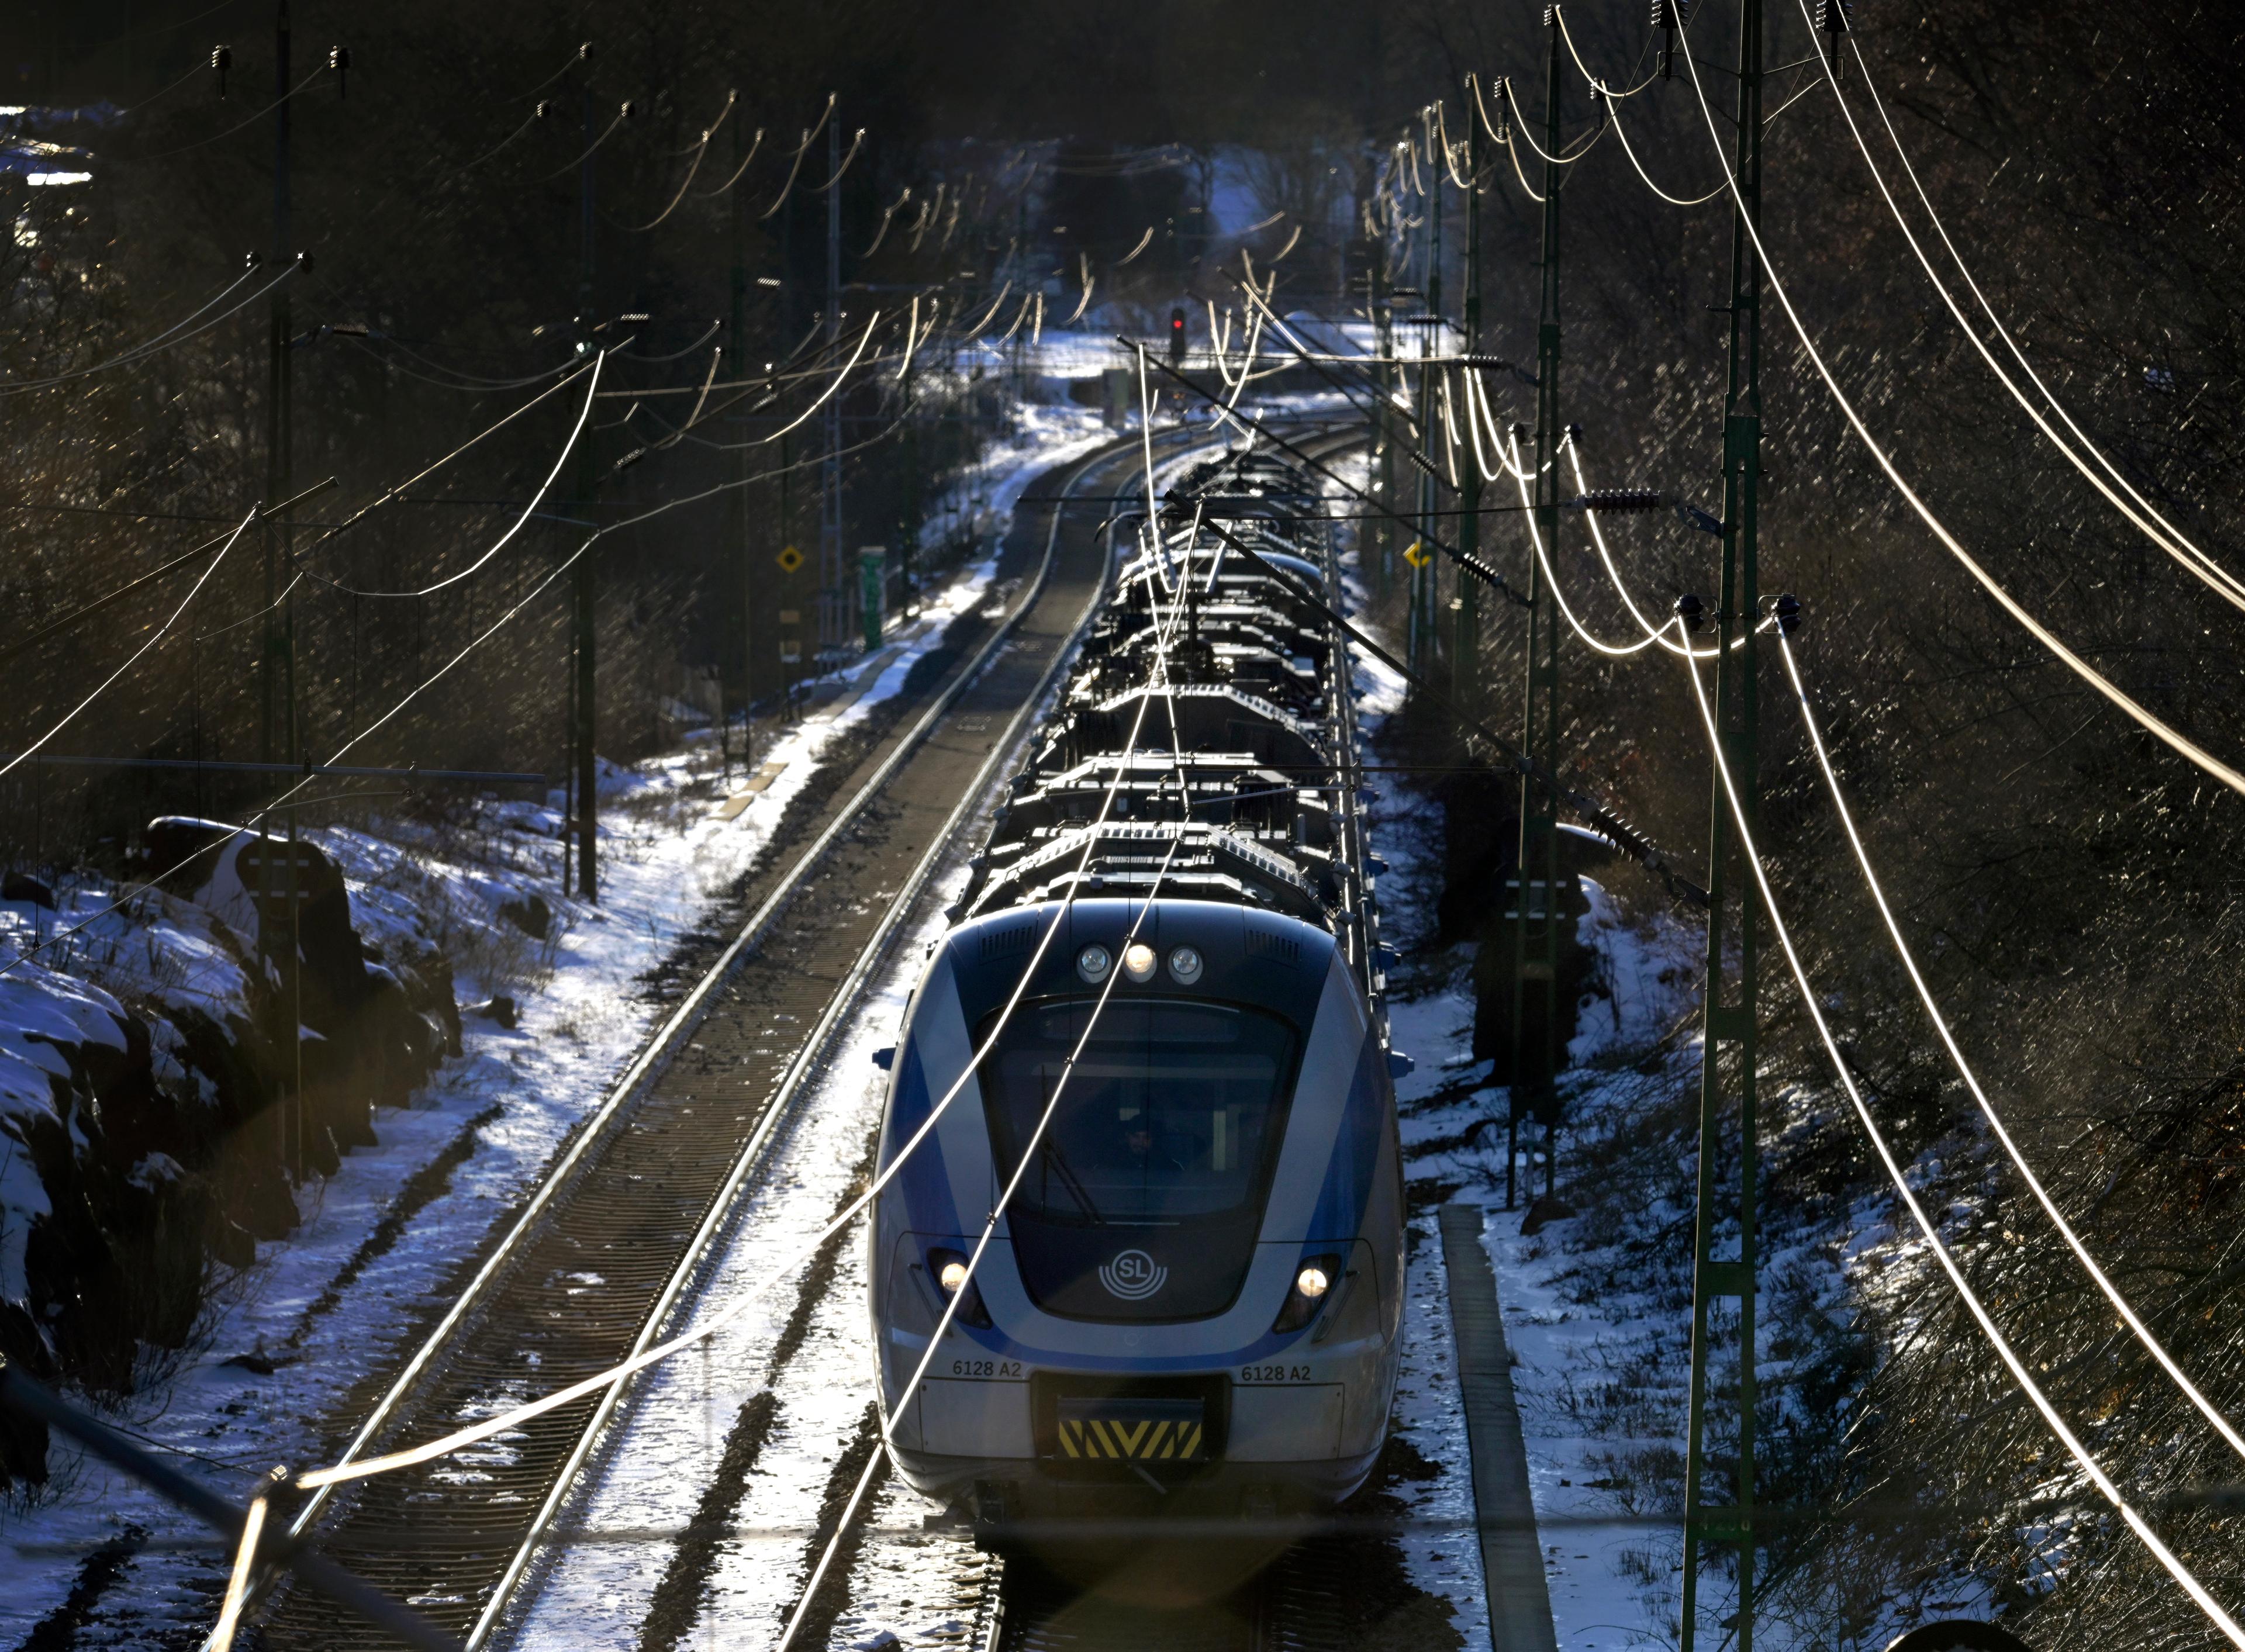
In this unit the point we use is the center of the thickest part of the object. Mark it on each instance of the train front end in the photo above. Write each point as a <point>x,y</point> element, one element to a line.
<point>1191,1299</point>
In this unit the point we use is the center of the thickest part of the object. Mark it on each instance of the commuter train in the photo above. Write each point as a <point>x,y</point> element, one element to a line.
<point>1192,1297</point>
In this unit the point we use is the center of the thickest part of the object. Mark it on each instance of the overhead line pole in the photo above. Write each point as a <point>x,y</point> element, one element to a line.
<point>1465,647</point>
<point>743,518</point>
<point>278,402</point>
<point>1730,1022</point>
<point>1383,320</point>
<point>583,585</point>
<point>1536,908</point>
<point>276,665</point>
<point>832,600</point>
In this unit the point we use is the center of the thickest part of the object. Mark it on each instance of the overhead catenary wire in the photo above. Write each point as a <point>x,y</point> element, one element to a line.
<point>623,114</point>
<point>60,935</point>
<point>158,96</point>
<point>2160,531</point>
<point>794,166</point>
<point>169,338</point>
<point>1475,565</point>
<point>2205,1407</point>
<point>699,152</point>
<point>707,334</point>
<point>155,637</point>
<point>1163,630</point>
<point>824,395</point>
<point>887,215</point>
<point>1559,14</point>
<point>2020,1375</point>
<point>427,471</point>
<point>249,120</point>
<point>1614,651</point>
<point>501,543</point>
<point>754,144</point>
<point>1613,115</point>
<point>352,1469</point>
<point>1996,321</point>
<point>1520,125</point>
<point>856,142</point>
<point>2157,727</point>
<point>1621,588</point>
<point>237,1583</point>
<point>467,383</point>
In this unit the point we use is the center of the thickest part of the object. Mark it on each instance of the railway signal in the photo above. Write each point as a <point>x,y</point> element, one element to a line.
<point>1177,336</point>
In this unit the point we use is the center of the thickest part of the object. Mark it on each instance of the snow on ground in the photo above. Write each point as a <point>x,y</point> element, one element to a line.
<point>1594,1562</point>
<point>509,1100</point>
<point>677,1416</point>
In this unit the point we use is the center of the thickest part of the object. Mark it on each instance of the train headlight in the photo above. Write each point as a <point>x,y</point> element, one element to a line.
<point>1138,961</point>
<point>1092,963</point>
<point>1312,1281</point>
<point>1185,965</point>
<point>1313,1287</point>
<point>949,1267</point>
<point>954,1275</point>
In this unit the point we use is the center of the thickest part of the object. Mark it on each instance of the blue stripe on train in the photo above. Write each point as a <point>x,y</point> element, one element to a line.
<point>924,1183</point>
<point>1347,1186</point>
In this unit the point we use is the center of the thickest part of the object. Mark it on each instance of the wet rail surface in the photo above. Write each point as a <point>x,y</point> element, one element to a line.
<point>582,1287</point>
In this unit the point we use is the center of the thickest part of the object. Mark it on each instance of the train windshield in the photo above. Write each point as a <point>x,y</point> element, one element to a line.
<point>1169,1114</point>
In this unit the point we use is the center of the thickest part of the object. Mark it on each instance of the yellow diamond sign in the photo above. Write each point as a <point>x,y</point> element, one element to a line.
<point>789,558</point>
<point>1418,555</point>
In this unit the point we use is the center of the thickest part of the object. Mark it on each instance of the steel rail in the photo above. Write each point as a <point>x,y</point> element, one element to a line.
<point>566,1179</point>
<point>811,1055</point>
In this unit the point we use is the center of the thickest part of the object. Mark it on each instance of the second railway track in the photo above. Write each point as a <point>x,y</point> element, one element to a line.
<point>589,1269</point>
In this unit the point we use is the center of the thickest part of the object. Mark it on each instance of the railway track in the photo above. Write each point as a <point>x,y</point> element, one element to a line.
<point>590,1268</point>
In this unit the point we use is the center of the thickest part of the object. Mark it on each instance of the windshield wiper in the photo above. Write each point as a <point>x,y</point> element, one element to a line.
<point>1057,1161</point>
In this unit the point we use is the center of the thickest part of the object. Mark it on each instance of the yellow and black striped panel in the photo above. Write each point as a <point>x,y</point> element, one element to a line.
<point>1122,1438</point>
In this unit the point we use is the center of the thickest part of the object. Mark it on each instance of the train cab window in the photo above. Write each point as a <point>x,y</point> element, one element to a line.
<point>1170,1113</point>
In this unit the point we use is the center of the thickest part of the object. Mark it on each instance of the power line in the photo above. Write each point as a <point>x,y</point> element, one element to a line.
<point>2144,718</point>
<point>499,543</point>
<point>155,638</point>
<point>2112,1292</point>
<point>239,126</point>
<point>165,339</point>
<point>1163,633</point>
<point>2215,578</point>
<point>1809,1000</point>
<point>352,1469</point>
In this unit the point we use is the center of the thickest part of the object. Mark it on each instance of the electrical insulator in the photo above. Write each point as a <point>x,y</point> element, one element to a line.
<point>1690,611</point>
<point>1669,16</point>
<point>1177,337</point>
<point>1521,433</point>
<point>1619,500</point>
<point>585,53</point>
<point>544,108</point>
<point>1788,610</point>
<point>1575,434</point>
<point>629,109</point>
<point>339,60</point>
<point>1834,19</point>
<point>222,58</point>
<point>254,259</point>
<point>1500,94</point>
